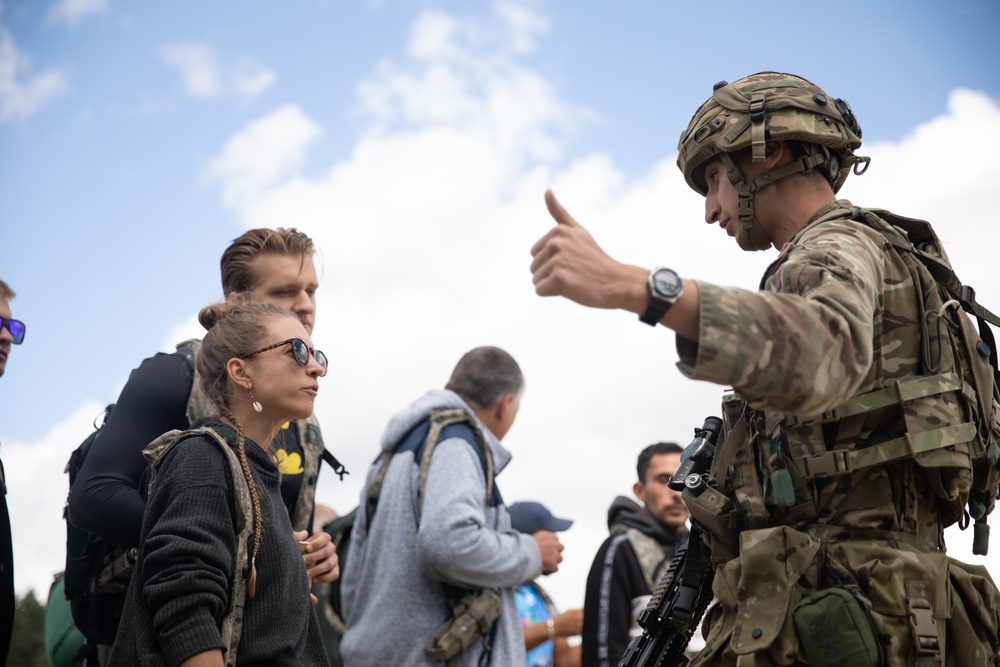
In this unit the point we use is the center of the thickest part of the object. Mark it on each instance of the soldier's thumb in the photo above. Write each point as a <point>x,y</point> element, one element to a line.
<point>556,210</point>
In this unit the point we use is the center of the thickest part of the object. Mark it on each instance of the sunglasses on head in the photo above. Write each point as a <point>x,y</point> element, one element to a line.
<point>302,352</point>
<point>15,327</point>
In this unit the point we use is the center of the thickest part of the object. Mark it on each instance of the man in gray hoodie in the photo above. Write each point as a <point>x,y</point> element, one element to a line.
<point>404,557</point>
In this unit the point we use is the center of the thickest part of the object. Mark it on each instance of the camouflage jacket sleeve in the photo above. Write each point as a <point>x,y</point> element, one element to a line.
<point>804,345</point>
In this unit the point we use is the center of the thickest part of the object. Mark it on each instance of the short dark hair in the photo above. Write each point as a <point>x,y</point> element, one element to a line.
<point>647,454</point>
<point>6,293</point>
<point>485,375</point>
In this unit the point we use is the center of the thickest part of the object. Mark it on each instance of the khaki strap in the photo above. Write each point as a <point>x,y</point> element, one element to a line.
<point>843,462</point>
<point>925,633</point>
<point>897,393</point>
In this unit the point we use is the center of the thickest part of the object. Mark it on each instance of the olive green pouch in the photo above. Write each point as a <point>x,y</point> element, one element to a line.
<point>471,618</point>
<point>835,630</point>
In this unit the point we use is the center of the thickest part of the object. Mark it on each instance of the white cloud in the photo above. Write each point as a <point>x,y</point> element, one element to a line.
<point>22,92</point>
<point>204,78</point>
<point>264,152</point>
<point>71,12</point>
<point>197,66</point>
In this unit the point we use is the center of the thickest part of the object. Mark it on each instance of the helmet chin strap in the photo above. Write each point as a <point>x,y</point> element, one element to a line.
<point>750,235</point>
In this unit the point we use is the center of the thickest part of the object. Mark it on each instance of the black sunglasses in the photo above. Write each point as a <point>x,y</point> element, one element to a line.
<point>15,327</point>
<point>302,352</point>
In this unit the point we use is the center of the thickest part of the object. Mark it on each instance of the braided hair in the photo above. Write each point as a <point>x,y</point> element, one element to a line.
<point>233,329</point>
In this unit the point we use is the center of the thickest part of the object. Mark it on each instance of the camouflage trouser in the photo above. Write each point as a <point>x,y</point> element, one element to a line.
<point>926,608</point>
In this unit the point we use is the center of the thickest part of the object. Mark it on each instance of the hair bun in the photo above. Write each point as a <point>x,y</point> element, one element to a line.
<point>209,315</point>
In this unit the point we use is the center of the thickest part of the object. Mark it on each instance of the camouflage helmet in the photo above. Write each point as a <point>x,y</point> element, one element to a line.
<point>772,106</point>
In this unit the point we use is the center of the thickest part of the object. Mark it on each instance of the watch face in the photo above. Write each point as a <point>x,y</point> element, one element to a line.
<point>667,283</point>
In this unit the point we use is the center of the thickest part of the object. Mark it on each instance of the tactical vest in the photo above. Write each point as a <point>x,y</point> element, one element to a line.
<point>200,406</point>
<point>927,415</point>
<point>232,624</point>
<point>872,483</point>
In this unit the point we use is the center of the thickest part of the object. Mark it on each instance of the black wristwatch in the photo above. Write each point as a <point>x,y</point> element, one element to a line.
<point>665,287</point>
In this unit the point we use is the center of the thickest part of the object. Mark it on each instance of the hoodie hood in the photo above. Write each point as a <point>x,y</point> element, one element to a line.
<point>436,399</point>
<point>626,513</point>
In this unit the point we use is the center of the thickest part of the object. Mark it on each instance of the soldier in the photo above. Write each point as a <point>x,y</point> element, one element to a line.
<point>864,419</point>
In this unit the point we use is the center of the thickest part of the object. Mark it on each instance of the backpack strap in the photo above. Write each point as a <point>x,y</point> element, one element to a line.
<point>232,624</point>
<point>311,442</point>
<point>421,440</point>
<point>441,423</point>
<point>199,405</point>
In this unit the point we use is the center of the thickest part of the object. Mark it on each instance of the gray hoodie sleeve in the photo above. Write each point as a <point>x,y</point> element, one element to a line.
<point>459,540</point>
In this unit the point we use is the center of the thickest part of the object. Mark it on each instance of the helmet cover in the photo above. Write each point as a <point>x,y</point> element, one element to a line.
<point>770,106</point>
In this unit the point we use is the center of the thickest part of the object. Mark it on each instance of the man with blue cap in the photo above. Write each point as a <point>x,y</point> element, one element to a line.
<point>545,630</point>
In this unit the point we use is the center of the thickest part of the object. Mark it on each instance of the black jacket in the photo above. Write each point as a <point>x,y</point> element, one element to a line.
<point>616,580</point>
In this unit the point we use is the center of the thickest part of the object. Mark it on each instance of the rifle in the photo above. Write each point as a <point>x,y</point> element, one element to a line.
<point>685,589</point>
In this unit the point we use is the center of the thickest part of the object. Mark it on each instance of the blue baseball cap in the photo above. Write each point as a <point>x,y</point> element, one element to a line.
<point>527,517</point>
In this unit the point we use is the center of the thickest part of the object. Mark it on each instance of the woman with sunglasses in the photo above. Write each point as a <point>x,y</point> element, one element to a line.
<point>258,367</point>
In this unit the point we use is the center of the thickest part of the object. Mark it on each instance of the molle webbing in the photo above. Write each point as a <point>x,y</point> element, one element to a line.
<point>822,463</point>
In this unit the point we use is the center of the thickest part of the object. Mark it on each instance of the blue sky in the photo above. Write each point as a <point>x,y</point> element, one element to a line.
<point>414,140</point>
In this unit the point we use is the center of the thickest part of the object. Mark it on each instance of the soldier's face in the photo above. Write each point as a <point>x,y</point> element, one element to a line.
<point>722,200</point>
<point>665,504</point>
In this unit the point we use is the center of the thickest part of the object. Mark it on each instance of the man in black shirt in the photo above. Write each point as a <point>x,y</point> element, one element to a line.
<point>267,265</point>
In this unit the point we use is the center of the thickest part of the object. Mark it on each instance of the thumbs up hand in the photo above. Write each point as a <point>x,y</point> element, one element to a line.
<point>568,262</point>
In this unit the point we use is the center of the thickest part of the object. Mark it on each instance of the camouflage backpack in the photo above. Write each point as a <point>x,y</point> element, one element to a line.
<point>232,624</point>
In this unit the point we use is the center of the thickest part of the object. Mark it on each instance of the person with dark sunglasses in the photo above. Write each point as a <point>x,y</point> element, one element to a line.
<point>272,266</point>
<point>216,575</point>
<point>301,351</point>
<point>11,333</point>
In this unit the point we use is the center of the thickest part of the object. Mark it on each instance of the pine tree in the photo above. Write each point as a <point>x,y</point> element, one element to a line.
<point>27,645</point>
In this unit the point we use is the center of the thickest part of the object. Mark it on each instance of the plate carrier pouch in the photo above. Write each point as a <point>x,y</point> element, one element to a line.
<point>473,612</point>
<point>232,624</point>
<point>835,630</point>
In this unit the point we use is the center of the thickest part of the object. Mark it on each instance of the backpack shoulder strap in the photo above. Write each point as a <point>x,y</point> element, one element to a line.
<point>199,405</point>
<point>311,442</point>
<point>421,440</point>
<point>232,624</point>
<point>455,423</point>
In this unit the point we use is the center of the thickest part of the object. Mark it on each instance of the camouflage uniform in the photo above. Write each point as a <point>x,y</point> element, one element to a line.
<point>865,417</point>
<point>837,318</point>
